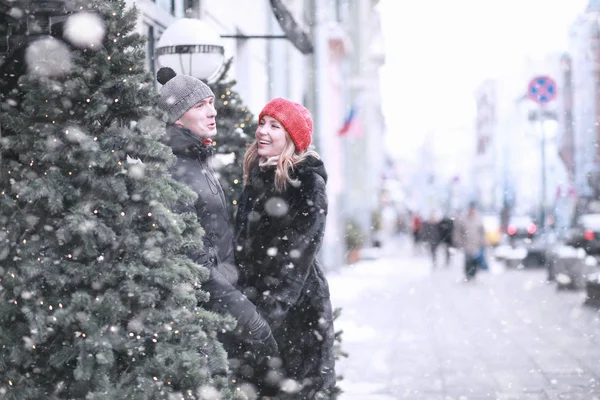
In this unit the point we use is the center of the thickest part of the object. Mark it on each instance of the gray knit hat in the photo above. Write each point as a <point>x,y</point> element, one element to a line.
<point>180,92</point>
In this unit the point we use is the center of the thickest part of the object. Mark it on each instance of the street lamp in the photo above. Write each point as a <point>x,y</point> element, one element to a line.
<point>191,47</point>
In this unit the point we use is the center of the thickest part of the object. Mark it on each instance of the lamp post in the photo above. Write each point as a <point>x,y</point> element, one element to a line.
<point>541,116</point>
<point>191,47</point>
<point>542,90</point>
<point>543,159</point>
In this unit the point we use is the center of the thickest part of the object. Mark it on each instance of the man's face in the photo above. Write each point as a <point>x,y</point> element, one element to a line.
<point>200,119</point>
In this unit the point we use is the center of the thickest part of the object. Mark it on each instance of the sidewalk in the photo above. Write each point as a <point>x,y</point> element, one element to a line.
<point>414,333</point>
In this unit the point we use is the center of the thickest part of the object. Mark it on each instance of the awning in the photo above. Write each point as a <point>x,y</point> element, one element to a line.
<point>293,31</point>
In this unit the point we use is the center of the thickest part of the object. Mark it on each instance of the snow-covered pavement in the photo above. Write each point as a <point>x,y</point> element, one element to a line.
<point>413,332</point>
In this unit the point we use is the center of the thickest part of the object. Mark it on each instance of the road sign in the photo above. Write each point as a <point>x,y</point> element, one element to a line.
<point>542,89</point>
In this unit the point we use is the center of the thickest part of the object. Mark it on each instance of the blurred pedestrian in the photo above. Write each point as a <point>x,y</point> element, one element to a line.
<point>416,225</point>
<point>469,235</point>
<point>279,230</point>
<point>431,236</point>
<point>446,227</point>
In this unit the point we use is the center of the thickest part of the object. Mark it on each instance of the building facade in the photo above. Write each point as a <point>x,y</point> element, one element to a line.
<point>585,73</point>
<point>566,131</point>
<point>365,154</point>
<point>516,139</point>
<point>485,163</point>
<point>328,79</point>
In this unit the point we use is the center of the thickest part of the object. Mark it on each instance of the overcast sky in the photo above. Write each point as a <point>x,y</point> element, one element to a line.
<point>438,51</point>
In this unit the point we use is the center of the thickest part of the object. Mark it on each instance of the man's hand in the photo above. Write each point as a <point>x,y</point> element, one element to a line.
<point>262,348</point>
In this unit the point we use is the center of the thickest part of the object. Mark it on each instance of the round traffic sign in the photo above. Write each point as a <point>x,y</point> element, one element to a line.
<point>542,89</point>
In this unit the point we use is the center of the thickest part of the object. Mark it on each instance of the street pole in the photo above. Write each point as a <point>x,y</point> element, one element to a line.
<point>504,213</point>
<point>542,90</point>
<point>543,144</point>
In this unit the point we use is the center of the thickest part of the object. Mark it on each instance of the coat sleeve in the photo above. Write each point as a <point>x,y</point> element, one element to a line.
<point>226,299</point>
<point>303,234</point>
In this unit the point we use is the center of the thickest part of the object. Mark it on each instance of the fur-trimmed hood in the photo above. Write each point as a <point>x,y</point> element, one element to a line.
<point>307,172</point>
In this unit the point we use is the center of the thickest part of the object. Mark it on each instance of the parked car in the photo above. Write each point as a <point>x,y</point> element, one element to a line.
<point>521,228</point>
<point>553,248</point>
<point>523,234</point>
<point>582,234</point>
<point>585,233</point>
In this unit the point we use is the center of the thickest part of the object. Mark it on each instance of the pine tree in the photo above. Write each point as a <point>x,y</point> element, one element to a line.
<point>97,299</point>
<point>236,126</point>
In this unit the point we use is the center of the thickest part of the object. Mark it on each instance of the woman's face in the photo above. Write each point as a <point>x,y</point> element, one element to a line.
<point>271,137</point>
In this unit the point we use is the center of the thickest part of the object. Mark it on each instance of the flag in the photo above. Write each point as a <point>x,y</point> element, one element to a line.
<point>352,126</point>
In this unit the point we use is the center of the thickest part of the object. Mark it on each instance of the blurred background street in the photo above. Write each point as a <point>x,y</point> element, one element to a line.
<point>414,332</point>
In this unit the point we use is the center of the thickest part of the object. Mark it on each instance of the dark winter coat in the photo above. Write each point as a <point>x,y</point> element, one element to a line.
<point>431,234</point>
<point>278,235</point>
<point>193,168</point>
<point>446,227</point>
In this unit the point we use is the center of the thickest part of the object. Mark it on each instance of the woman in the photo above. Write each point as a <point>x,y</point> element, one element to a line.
<point>279,230</point>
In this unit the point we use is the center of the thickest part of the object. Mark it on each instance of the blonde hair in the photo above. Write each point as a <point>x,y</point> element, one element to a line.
<point>288,159</point>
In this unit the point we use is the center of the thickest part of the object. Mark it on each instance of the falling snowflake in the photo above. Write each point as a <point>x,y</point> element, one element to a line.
<point>85,30</point>
<point>137,171</point>
<point>48,57</point>
<point>276,207</point>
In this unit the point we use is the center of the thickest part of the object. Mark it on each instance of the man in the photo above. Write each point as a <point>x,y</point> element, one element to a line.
<point>416,225</point>
<point>432,236</point>
<point>470,236</point>
<point>189,104</point>
<point>446,227</point>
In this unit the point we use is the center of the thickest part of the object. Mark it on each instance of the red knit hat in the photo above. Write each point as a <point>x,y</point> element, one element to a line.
<point>294,117</point>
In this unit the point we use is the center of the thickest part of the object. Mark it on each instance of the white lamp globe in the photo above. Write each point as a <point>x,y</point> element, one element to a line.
<point>191,47</point>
